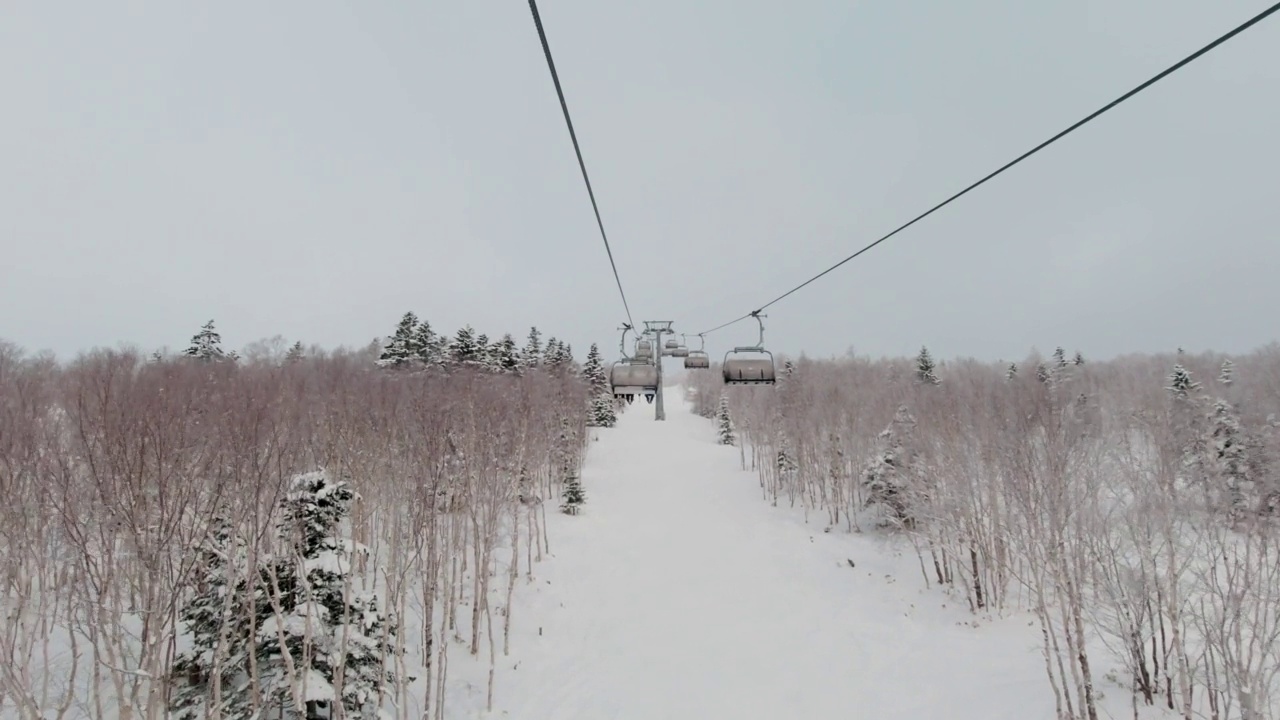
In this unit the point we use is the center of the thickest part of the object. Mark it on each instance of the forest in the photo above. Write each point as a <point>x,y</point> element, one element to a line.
<point>1130,505</point>
<point>295,533</point>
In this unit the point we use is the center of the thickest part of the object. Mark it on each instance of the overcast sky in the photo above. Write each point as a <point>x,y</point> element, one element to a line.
<point>315,169</point>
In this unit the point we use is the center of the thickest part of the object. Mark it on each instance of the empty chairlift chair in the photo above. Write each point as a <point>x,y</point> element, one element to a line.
<point>633,376</point>
<point>644,350</point>
<point>697,359</point>
<point>740,368</point>
<point>677,349</point>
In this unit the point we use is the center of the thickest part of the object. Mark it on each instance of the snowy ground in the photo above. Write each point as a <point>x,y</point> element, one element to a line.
<point>680,593</point>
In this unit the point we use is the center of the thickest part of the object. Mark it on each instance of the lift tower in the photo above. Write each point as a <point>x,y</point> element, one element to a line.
<point>657,328</point>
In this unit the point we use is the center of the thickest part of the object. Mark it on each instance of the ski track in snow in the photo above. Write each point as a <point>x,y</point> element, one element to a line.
<point>680,593</point>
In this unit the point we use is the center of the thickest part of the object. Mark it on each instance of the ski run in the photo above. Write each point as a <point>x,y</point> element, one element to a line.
<point>680,594</point>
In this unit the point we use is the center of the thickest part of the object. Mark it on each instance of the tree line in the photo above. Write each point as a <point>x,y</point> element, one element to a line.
<point>1133,503</point>
<point>302,535</point>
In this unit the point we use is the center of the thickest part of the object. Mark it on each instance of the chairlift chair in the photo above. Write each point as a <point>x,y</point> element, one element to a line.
<point>750,370</point>
<point>631,377</point>
<point>697,359</point>
<point>676,349</point>
<point>644,350</point>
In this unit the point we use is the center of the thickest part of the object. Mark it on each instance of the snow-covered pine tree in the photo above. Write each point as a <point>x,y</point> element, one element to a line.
<point>206,345</point>
<point>157,356</point>
<point>1012,372</point>
<point>1079,358</point>
<point>572,497</point>
<point>786,464</point>
<point>925,368</point>
<point>485,354</point>
<point>1181,385</point>
<point>531,355</point>
<point>1188,424</point>
<point>1042,373</point>
<point>342,645</point>
<point>400,347</point>
<point>464,351</point>
<point>788,369</point>
<point>1228,372</point>
<point>602,412</point>
<point>570,365</point>
<point>425,346</point>
<point>1059,358</point>
<point>506,358</point>
<point>1230,459</point>
<point>295,354</point>
<point>887,480</point>
<point>724,423</point>
<point>215,619</point>
<point>593,372</point>
<point>554,359</point>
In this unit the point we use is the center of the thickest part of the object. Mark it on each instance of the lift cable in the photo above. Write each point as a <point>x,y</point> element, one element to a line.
<point>555,77</point>
<point>1168,71</point>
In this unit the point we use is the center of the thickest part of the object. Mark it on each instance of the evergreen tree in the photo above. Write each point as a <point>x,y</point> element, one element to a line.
<point>887,479</point>
<point>573,497</point>
<point>724,424</point>
<point>1079,358</point>
<point>925,368</point>
<point>566,352</point>
<point>326,623</point>
<point>295,354</point>
<point>554,358</point>
<point>593,372</point>
<point>1042,373</point>
<point>157,356</point>
<point>465,349</point>
<point>1188,418</point>
<point>602,413</point>
<point>1230,458</point>
<point>1181,385</point>
<point>485,353</point>
<point>506,358</point>
<point>1059,358</point>
<point>401,347</point>
<point>785,462</point>
<point>214,617</point>
<point>788,369</point>
<point>1228,373</point>
<point>427,347</point>
<point>1012,372</point>
<point>531,356</point>
<point>206,345</point>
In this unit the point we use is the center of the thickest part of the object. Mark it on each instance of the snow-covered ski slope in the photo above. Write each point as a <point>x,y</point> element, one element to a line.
<point>679,593</point>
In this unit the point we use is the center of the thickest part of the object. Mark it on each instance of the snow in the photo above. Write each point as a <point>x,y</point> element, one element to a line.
<point>680,593</point>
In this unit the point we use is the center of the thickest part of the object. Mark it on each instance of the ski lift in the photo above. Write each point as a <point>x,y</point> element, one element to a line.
<point>697,359</point>
<point>680,349</point>
<point>672,344</point>
<point>644,350</point>
<point>632,376</point>
<point>750,370</point>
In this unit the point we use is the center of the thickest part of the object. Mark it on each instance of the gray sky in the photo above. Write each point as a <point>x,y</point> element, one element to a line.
<point>315,169</point>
